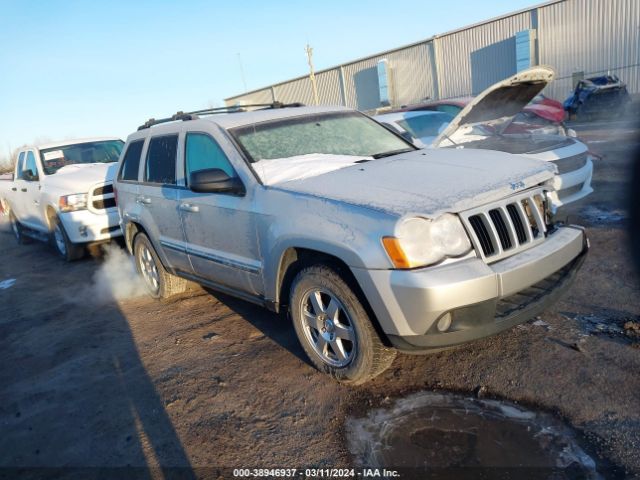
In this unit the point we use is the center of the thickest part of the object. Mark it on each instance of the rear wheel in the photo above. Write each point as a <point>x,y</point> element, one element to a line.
<point>18,230</point>
<point>64,247</point>
<point>334,328</point>
<point>159,282</point>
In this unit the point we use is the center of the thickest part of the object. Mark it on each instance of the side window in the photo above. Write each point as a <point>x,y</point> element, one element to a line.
<point>20,166</point>
<point>131,161</point>
<point>203,152</point>
<point>30,171</point>
<point>161,160</point>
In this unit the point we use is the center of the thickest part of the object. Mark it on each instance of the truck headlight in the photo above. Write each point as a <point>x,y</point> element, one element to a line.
<point>70,203</point>
<point>419,242</point>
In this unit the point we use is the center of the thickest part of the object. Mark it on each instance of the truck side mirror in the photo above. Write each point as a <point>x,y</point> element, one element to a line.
<point>30,176</point>
<point>215,180</point>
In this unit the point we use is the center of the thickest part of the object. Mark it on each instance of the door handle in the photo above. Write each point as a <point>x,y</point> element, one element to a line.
<point>14,189</point>
<point>144,200</point>
<point>23,189</point>
<point>188,207</point>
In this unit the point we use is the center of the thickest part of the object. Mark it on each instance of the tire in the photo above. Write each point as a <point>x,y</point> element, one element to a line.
<point>159,282</point>
<point>334,328</point>
<point>65,248</point>
<point>18,230</point>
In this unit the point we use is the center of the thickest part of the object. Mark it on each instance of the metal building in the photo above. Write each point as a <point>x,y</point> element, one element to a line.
<point>578,38</point>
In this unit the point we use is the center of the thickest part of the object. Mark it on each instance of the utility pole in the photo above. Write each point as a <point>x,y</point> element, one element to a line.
<point>312,75</point>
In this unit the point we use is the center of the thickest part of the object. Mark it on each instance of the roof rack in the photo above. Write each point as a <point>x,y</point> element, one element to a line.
<point>184,116</point>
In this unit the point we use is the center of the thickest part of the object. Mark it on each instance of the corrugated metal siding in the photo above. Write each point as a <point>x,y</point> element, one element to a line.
<point>411,71</point>
<point>454,53</point>
<point>300,89</point>
<point>593,36</point>
<point>258,96</point>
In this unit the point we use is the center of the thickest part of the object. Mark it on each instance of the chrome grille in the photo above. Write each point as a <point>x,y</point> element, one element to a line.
<point>102,197</point>
<point>507,227</point>
<point>570,164</point>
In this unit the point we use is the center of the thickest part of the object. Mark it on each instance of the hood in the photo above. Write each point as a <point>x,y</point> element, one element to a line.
<point>79,178</point>
<point>502,100</point>
<point>427,182</point>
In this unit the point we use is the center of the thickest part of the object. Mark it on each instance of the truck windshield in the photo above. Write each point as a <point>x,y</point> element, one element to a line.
<point>348,133</point>
<point>105,151</point>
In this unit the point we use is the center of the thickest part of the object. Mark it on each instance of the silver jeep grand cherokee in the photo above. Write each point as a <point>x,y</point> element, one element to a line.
<point>370,244</point>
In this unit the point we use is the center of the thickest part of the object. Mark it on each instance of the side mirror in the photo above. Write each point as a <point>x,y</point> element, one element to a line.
<point>30,176</point>
<point>215,180</point>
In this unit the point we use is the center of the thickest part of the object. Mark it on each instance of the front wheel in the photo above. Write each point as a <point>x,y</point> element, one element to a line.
<point>64,247</point>
<point>334,328</point>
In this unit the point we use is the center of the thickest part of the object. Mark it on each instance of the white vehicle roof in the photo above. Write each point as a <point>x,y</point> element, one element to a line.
<point>64,143</point>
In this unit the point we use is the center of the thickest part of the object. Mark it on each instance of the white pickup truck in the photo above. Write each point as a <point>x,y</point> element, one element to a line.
<point>63,193</point>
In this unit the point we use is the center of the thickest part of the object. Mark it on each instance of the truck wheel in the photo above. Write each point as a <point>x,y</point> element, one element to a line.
<point>65,248</point>
<point>18,230</point>
<point>334,328</point>
<point>159,282</point>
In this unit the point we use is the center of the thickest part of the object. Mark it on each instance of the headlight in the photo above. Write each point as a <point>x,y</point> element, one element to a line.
<point>419,241</point>
<point>70,203</point>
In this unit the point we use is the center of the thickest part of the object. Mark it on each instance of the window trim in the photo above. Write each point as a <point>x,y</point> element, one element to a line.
<point>206,134</point>
<point>144,180</point>
<point>119,178</point>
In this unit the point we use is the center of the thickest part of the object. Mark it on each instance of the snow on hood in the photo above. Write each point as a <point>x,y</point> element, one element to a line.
<point>502,100</point>
<point>427,182</point>
<point>78,178</point>
<point>280,170</point>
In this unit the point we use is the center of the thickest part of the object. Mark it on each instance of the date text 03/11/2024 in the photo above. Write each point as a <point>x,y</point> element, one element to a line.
<point>315,473</point>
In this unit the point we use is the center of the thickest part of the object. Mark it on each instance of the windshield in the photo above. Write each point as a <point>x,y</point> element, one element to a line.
<point>106,151</point>
<point>349,133</point>
<point>427,125</point>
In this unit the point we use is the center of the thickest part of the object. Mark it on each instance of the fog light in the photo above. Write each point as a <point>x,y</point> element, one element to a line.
<point>444,323</point>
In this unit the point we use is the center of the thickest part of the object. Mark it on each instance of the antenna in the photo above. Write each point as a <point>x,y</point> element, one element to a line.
<point>312,75</point>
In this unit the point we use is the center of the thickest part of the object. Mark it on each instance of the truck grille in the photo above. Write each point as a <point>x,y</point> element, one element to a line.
<point>570,164</point>
<point>102,197</point>
<point>506,228</point>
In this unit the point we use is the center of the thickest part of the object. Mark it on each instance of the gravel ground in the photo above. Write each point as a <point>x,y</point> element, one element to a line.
<point>204,381</point>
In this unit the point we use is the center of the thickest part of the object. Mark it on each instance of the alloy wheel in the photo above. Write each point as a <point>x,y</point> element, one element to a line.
<point>328,328</point>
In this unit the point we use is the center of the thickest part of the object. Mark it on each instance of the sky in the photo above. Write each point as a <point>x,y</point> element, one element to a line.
<point>101,68</point>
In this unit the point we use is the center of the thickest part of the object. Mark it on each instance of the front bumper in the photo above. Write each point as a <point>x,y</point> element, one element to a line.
<point>481,299</point>
<point>83,226</point>
<point>572,186</point>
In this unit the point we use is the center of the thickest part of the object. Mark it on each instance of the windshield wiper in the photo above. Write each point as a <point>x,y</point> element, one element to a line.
<point>391,153</point>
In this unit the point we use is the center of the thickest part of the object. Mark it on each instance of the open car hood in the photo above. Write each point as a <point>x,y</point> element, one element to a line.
<point>501,101</point>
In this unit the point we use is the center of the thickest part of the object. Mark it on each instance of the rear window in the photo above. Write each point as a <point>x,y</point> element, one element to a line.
<point>131,162</point>
<point>161,160</point>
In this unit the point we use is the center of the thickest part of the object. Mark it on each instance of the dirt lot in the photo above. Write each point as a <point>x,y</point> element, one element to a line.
<point>205,381</point>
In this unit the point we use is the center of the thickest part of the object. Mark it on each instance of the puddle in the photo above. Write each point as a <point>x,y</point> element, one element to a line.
<point>435,432</point>
<point>602,216</point>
